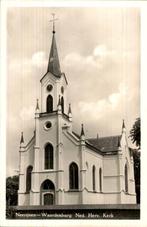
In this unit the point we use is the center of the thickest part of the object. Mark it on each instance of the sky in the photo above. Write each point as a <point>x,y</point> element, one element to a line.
<point>99,52</point>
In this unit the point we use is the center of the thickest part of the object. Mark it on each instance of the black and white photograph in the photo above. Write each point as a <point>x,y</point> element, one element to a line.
<point>73,113</point>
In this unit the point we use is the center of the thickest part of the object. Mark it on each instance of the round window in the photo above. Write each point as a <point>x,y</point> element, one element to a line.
<point>49,87</point>
<point>47,125</point>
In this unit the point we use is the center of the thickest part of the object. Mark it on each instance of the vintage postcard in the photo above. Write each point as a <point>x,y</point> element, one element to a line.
<point>71,103</point>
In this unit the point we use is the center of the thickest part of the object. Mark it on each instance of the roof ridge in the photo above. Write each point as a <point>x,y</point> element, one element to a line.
<point>104,137</point>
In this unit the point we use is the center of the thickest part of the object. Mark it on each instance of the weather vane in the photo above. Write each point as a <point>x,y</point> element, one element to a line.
<point>53,20</point>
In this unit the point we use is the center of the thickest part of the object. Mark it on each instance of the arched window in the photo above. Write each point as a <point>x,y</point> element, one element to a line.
<point>28,178</point>
<point>100,179</point>
<point>126,178</point>
<point>49,104</point>
<point>47,185</point>
<point>62,104</point>
<point>48,156</point>
<point>73,176</point>
<point>93,178</point>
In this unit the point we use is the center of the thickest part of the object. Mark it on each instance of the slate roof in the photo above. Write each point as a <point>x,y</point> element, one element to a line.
<point>53,64</point>
<point>103,144</point>
<point>106,144</point>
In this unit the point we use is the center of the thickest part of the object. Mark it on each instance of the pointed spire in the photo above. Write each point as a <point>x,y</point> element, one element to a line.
<point>21,139</point>
<point>82,130</point>
<point>37,105</point>
<point>69,109</point>
<point>123,126</point>
<point>82,137</point>
<point>54,64</point>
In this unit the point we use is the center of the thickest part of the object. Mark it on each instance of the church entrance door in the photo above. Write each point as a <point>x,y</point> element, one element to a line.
<point>48,199</point>
<point>47,193</point>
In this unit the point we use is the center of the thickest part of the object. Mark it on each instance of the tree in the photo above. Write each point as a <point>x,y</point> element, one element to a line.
<point>136,157</point>
<point>135,137</point>
<point>11,190</point>
<point>11,194</point>
<point>135,133</point>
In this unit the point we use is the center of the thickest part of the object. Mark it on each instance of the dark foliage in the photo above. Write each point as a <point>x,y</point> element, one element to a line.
<point>136,156</point>
<point>135,133</point>
<point>11,190</point>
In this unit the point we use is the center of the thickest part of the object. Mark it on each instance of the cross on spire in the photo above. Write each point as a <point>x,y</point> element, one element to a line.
<point>53,20</point>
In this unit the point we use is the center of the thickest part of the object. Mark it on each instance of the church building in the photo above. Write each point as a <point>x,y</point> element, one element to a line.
<point>58,166</point>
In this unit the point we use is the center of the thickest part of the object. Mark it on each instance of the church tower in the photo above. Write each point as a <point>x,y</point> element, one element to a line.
<point>49,120</point>
<point>54,82</point>
<point>51,115</point>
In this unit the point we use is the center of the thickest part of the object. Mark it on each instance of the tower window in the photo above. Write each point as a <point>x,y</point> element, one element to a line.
<point>62,89</point>
<point>93,177</point>
<point>126,178</point>
<point>49,104</point>
<point>73,176</point>
<point>49,87</point>
<point>62,104</point>
<point>47,125</point>
<point>28,178</point>
<point>48,156</point>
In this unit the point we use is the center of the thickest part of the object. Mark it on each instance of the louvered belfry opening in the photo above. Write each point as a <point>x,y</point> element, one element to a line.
<point>49,104</point>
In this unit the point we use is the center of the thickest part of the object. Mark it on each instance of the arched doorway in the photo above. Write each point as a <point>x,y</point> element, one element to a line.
<point>48,199</point>
<point>47,193</point>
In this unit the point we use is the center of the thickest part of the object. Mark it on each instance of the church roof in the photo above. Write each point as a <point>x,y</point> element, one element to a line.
<point>103,144</point>
<point>106,144</point>
<point>53,63</point>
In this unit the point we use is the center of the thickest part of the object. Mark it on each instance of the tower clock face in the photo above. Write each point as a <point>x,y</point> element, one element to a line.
<point>62,89</point>
<point>49,87</point>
